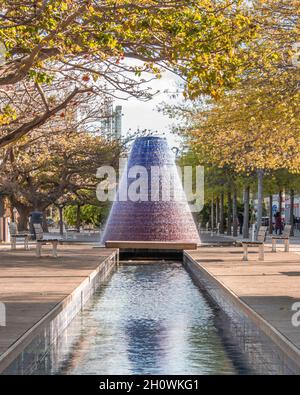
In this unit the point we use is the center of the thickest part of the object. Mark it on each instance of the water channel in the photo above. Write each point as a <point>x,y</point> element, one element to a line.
<point>147,319</point>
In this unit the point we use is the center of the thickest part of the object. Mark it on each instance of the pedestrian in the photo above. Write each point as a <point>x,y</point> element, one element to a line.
<point>297,223</point>
<point>278,223</point>
<point>241,222</point>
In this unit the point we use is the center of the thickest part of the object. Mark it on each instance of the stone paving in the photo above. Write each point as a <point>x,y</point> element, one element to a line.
<point>30,287</point>
<point>269,287</point>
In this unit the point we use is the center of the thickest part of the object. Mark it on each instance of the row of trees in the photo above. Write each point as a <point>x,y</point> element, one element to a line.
<point>72,48</point>
<point>62,56</point>
<point>254,130</point>
<point>231,196</point>
<point>64,59</point>
<point>55,168</point>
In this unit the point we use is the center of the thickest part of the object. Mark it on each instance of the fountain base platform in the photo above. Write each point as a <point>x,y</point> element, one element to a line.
<point>157,250</point>
<point>157,245</point>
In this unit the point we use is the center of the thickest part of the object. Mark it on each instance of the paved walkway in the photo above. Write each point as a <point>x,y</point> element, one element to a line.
<point>270,288</point>
<point>208,238</point>
<point>30,287</point>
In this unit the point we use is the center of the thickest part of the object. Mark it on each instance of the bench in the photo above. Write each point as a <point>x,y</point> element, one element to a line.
<point>259,242</point>
<point>15,234</point>
<point>42,240</point>
<point>285,237</point>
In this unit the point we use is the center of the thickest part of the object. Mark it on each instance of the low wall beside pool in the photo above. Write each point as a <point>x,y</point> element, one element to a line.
<point>266,349</point>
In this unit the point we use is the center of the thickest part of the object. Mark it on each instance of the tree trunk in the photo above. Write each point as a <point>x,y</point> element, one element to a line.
<point>2,220</point>
<point>260,178</point>
<point>45,223</point>
<point>2,208</point>
<point>280,201</point>
<point>246,212</point>
<point>270,214</point>
<point>222,213</point>
<point>61,220</point>
<point>23,217</point>
<point>229,214</point>
<point>234,214</point>
<point>217,210</point>
<point>292,198</point>
<point>78,219</point>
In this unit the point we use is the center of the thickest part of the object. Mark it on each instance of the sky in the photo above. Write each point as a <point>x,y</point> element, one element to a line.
<point>144,115</point>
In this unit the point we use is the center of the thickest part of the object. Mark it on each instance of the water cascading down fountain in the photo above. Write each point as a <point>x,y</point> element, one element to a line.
<point>152,217</point>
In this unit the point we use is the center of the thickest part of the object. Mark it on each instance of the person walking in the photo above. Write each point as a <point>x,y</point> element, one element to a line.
<point>241,222</point>
<point>278,223</point>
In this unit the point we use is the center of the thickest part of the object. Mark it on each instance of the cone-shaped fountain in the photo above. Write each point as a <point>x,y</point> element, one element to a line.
<point>153,216</point>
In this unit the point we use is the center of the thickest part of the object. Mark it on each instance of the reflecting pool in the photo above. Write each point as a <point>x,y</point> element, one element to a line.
<point>148,319</point>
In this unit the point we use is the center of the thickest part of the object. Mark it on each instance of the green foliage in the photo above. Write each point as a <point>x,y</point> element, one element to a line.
<point>40,77</point>
<point>205,41</point>
<point>89,214</point>
<point>56,168</point>
<point>255,128</point>
<point>7,115</point>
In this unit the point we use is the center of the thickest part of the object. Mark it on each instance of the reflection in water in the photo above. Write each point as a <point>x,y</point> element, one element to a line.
<point>144,344</point>
<point>149,319</point>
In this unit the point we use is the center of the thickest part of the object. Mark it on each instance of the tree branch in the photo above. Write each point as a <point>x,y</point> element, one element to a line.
<point>38,121</point>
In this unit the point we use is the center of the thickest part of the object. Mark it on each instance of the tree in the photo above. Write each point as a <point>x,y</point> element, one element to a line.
<point>254,128</point>
<point>219,182</point>
<point>39,172</point>
<point>92,43</point>
<point>30,106</point>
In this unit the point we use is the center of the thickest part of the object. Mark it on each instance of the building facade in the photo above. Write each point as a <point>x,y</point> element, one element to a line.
<point>111,124</point>
<point>286,206</point>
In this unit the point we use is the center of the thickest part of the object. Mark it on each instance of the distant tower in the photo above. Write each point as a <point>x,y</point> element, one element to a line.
<point>117,122</point>
<point>111,124</point>
<point>151,219</point>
